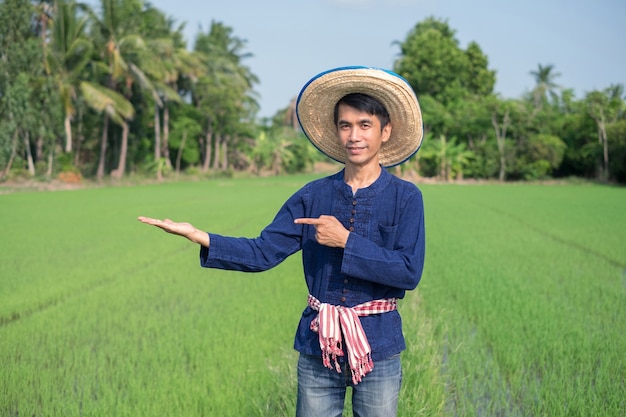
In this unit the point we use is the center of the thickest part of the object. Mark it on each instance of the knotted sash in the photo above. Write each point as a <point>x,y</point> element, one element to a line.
<point>333,320</point>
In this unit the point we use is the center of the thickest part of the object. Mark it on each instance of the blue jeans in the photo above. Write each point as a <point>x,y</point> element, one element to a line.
<point>322,391</point>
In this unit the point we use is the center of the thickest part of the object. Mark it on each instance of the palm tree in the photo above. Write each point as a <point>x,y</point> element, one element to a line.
<point>225,93</point>
<point>175,62</point>
<point>67,57</point>
<point>115,107</point>
<point>544,84</point>
<point>208,97</point>
<point>123,50</point>
<point>43,15</point>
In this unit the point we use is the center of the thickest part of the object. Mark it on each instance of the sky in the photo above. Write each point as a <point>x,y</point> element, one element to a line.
<point>291,41</point>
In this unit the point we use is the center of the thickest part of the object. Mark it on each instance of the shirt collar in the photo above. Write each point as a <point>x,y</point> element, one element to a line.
<point>374,188</point>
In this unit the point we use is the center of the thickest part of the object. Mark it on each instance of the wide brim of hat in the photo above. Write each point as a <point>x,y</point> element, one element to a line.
<point>316,104</point>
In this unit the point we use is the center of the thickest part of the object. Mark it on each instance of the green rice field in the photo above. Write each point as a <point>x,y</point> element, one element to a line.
<point>521,310</point>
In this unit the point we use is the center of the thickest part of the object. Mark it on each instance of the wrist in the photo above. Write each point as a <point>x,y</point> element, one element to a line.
<point>345,242</point>
<point>200,237</point>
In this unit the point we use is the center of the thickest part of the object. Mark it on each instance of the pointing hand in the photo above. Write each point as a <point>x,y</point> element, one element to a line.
<point>328,230</point>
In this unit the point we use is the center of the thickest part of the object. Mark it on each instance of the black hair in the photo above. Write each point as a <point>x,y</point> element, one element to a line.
<point>364,103</point>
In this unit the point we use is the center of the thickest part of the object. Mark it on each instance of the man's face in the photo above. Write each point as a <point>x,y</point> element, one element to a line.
<point>361,135</point>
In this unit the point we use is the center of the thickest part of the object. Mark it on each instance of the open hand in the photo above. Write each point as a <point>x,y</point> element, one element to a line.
<point>178,228</point>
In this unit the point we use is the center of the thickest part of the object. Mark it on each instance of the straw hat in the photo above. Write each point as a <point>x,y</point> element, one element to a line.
<point>316,104</point>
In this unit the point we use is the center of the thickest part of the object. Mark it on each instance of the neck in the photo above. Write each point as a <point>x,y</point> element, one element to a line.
<point>361,177</point>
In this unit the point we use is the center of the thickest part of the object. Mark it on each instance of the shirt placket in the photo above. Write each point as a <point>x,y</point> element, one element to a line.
<point>351,226</point>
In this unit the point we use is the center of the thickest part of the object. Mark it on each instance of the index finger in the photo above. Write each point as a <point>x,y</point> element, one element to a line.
<point>308,220</point>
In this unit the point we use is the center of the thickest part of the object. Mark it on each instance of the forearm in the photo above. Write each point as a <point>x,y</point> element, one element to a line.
<point>396,268</point>
<point>249,255</point>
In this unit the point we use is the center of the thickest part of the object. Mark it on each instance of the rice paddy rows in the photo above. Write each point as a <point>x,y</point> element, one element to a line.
<point>520,310</point>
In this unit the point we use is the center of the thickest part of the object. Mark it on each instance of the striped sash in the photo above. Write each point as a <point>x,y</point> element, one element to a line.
<point>332,321</point>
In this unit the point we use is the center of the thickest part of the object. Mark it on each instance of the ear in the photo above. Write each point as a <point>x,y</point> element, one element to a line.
<point>386,133</point>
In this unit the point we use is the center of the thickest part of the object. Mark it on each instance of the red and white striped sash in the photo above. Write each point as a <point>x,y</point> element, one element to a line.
<point>333,320</point>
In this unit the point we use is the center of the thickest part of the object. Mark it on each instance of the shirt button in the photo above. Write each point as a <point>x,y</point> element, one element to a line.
<point>345,291</point>
<point>354,202</point>
<point>353,212</point>
<point>351,220</point>
<point>351,229</point>
<point>343,299</point>
<point>345,281</point>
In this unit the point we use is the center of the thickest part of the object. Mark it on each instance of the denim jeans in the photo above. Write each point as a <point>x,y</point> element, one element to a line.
<point>322,391</point>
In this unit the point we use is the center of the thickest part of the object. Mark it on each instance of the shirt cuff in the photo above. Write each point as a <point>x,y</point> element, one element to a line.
<point>205,253</point>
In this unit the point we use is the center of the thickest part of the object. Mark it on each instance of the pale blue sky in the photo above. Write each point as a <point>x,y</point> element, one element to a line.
<point>293,40</point>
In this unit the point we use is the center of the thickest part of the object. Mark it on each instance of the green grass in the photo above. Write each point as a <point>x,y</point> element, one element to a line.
<point>530,283</point>
<point>520,311</point>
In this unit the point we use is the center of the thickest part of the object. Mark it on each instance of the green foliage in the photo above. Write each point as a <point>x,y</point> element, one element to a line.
<point>20,48</point>
<point>479,80</point>
<point>545,85</point>
<point>5,143</point>
<point>185,133</point>
<point>110,81</point>
<point>617,144</point>
<point>105,100</point>
<point>65,163</point>
<point>583,151</point>
<point>485,163</point>
<point>606,108</point>
<point>434,64</point>
<point>436,116</point>
<point>542,154</point>
<point>17,99</point>
<point>445,158</point>
<point>272,152</point>
<point>282,150</point>
<point>304,154</point>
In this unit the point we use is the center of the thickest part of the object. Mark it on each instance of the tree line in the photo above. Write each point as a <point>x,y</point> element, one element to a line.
<point>473,132</point>
<point>99,93</point>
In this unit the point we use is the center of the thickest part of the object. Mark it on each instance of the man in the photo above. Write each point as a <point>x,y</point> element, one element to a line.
<point>361,232</point>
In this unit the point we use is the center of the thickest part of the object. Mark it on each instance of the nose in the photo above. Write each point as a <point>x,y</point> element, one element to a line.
<point>355,135</point>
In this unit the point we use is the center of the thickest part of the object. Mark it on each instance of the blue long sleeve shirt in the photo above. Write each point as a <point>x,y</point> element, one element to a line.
<point>383,257</point>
